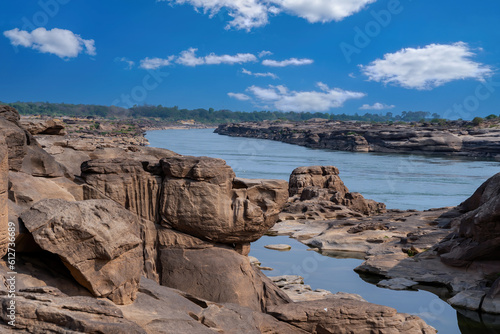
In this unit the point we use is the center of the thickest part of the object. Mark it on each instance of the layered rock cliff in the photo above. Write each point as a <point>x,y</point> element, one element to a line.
<point>354,137</point>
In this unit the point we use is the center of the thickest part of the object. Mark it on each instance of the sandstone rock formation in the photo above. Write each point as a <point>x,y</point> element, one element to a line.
<point>317,192</point>
<point>44,126</point>
<point>97,240</point>
<point>201,196</point>
<point>127,182</point>
<point>4,182</point>
<point>345,315</point>
<point>231,278</point>
<point>363,137</point>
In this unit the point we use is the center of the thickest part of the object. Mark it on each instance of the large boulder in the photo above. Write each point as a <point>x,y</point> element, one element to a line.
<point>4,183</point>
<point>220,275</point>
<point>317,192</point>
<point>201,196</point>
<point>344,316</point>
<point>478,237</point>
<point>97,240</point>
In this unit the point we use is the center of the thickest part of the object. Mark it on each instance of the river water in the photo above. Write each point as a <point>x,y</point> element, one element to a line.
<point>400,181</point>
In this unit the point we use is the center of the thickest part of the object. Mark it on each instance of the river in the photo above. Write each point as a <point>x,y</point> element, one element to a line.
<point>400,181</point>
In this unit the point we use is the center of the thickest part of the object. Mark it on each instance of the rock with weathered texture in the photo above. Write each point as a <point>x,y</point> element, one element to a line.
<point>49,126</point>
<point>478,236</point>
<point>133,184</point>
<point>25,154</point>
<point>317,192</point>
<point>202,197</point>
<point>97,240</point>
<point>220,275</point>
<point>4,184</point>
<point>48,310</point>
<point>338,316</point>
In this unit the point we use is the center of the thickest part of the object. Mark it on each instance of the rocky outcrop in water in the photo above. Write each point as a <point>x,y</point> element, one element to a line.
<point>457,248</point>
<point>360,137</point>
<point>317,192</point>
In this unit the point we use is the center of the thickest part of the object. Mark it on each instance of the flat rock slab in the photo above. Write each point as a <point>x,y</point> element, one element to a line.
<point>397,284</point>
<point>279,247</point>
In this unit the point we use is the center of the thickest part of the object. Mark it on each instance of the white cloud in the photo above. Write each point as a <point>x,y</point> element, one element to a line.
<point>248,14</point>
<point>268,74</point>
<point>60,42</point>
<point>376,106</point>
<point>428,67</point>
<point>189,58</point>
<point>239,96</point>
<point>322,10</point>
<point>287,62</point>
<point>239,58</point>
<point>281,98</point>
<point>155,63</point>
<point>130,63</point>
<point>265,53</point>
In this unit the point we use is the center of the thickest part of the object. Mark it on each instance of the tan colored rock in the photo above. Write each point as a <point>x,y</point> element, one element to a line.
<point>127,182</point>
<point>220,275</point>
<point>317,192</point>
<point>4,184</point>
<point>97,240</point>
<point>43,126</point>
<point>339,316</point>
<point>201,197</point>
<point>24,152</point>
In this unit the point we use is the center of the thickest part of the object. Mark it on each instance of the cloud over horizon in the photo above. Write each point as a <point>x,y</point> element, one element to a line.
<point>283,99</point>
<point>428,67</point>
<point>60,42</point>
<point>376,106</point>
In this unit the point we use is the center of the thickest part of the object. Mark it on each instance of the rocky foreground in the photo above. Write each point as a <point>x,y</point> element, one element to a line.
<point>129,239</point>
<point>456,139</point>
<point>454,252</point>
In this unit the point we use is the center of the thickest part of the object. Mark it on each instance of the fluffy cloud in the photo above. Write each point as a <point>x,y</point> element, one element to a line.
<point>248,14</point>
<point>239,96</point>
<point>281,98</point>
<point>287,62</point>
<point>268,74</point>
<point>376,106</point>
<point>322,10</point>
<point>155,63</point>
<point>428,67</point>
<point>60,42</point>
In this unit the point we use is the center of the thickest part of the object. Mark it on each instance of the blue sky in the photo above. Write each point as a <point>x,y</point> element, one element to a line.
<point>333,56</point>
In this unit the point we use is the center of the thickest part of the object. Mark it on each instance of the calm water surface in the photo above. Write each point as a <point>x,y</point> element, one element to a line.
<point>400,181</point>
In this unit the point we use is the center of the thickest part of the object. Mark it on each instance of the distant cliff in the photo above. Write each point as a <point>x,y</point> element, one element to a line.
<point>415,138</point>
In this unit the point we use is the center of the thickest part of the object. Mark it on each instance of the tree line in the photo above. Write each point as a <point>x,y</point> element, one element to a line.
<point>205,116</point>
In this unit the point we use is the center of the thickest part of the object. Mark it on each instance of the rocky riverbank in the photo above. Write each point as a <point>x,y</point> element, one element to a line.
<point>114,237</point>
<point>454,139</point>
<point>456,248</point>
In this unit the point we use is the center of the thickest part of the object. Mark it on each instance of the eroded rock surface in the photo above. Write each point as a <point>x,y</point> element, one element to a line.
<point>97,240</point>
<point>202,197</point>
<point>4,183</point>
<point>317,192</point>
